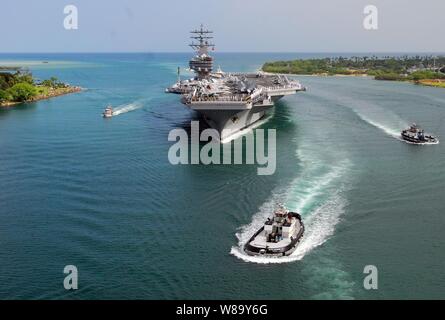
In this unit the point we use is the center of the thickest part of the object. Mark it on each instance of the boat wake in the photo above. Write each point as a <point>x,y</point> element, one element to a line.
<point>391,131</point>
<point>317,194</point>
<point>383,119</point>
<point>127,108</point>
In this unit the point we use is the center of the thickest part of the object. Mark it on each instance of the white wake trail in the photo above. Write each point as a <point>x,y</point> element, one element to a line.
<point>373,114</point>
<point>127,108</point>
<point>378,117</point>
<point>391,131</point>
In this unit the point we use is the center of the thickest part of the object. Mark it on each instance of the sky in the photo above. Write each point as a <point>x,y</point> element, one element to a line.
<point>238,25</point>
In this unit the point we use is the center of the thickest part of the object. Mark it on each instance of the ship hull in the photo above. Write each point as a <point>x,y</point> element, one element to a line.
<point>276,98</point>
<point>231,120</point>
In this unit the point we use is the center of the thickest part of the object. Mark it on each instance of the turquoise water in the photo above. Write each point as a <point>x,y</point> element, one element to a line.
<point>101,194</point>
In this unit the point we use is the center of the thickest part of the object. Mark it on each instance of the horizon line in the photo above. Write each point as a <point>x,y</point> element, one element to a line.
<point>191,52</point>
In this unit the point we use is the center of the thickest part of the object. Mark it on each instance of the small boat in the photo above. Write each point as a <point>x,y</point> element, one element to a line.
<point>108,112</point>
<point>279,236</point>
<point>415,134</point>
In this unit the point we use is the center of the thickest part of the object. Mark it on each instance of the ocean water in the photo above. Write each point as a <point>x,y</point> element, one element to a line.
<point>100,194</point>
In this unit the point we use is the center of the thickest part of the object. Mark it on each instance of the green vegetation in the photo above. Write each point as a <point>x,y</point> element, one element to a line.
<point>414,76</point>
<point>312,66</point>
<point>18,85</point>
<point>5,96</point>
<point>9,79</point>
<point>22,91</point>
<point>53,83</point>
<point>403,68</point>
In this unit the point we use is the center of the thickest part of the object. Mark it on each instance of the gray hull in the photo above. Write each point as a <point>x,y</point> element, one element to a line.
<point>230,122</point>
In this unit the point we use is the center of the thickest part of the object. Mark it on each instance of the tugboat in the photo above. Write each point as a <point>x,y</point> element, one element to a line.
<point>278,237</point>
<point>415,134</point>
<point>108,112</point>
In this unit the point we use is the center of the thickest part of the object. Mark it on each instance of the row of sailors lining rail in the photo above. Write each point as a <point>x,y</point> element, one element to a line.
<point>243,99</point>
<point>295,85</point>
<point>259,74</point>
<point>223,98</point>
<point>254,97</point>
<point>277,79</point>
<point>244,84</point>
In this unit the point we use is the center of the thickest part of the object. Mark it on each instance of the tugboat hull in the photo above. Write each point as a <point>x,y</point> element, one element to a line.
<point>415,135</point>
<point>426,140</point>
<point>269,252</point>
<point>275,250</point>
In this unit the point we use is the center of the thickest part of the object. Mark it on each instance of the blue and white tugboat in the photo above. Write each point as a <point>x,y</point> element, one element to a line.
<point>279,236</point>
<point>414,134</point>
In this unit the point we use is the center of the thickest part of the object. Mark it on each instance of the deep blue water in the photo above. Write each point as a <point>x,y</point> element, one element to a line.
<point>102,195</point>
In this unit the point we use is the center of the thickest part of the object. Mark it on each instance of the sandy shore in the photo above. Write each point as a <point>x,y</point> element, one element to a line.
<point>437,83</point>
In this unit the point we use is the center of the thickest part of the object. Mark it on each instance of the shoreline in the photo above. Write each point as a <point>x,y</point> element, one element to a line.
<point>318,74</point>
<point>434,83</point>
<point>52,94</point>
<point>421,70</point>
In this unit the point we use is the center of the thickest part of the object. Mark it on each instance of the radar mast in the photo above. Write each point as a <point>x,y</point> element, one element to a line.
<point>202,63</point>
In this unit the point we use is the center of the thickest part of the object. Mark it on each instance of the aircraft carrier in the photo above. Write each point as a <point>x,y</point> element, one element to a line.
<point>228,102</point>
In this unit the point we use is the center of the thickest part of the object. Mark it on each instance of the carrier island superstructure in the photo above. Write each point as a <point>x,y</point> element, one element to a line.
<point>228,102</point>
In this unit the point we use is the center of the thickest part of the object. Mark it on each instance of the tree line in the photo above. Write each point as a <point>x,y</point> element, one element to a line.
<point>19,85</point>
<point>386,67</point>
